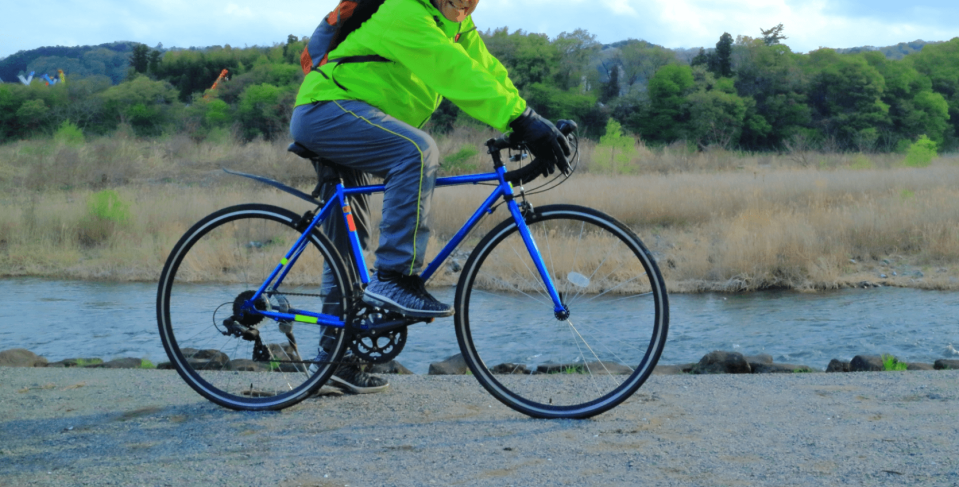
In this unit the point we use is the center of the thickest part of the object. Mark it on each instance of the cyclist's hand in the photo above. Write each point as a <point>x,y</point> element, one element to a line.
<point>543,139</point>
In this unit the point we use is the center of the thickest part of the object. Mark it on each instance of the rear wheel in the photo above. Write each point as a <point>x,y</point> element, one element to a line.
<point>553,367</point>
<point>240,359</point>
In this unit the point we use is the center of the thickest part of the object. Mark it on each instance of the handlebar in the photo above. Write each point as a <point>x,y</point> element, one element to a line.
<point>528,172</point>
<point>502,142</point>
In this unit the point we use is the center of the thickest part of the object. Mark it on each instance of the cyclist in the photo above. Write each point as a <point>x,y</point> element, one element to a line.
<point>364,110</point>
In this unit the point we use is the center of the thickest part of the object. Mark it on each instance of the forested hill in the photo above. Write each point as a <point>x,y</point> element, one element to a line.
<point>898,51</point>
<point>113,59</point>
<point>746,93</point>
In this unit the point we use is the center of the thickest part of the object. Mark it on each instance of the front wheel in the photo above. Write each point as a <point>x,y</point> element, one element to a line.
<point>241,359</point>
<point>539,364</point>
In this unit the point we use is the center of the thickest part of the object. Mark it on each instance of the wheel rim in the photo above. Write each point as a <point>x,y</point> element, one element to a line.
<point>225,257</point>
<point>569,368</point>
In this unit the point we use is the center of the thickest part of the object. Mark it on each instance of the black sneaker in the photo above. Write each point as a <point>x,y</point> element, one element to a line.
<point>406,295</point>
<point>351,377</point>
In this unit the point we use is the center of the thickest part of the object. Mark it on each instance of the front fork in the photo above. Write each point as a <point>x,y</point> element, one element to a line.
<point>560,309</point>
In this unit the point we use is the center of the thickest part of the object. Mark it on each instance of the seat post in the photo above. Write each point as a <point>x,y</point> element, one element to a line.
<point>331,173</point>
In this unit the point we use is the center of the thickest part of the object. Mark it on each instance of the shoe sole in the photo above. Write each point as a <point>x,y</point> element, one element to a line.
<point>355,389</point>
<point>386,303</point>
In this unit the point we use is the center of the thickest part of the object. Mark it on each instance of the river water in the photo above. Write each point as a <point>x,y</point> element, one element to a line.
<point>68,319</point>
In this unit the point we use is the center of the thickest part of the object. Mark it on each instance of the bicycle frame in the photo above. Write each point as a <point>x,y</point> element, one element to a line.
<point>503,190</point>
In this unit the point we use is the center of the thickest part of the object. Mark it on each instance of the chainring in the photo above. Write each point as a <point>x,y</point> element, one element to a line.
<point>379,347</point>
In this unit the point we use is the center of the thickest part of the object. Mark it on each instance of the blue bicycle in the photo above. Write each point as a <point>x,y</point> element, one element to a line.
<point>560,310</point>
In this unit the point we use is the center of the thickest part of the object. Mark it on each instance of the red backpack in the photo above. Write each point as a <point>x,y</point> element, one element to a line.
<point>344,19</point>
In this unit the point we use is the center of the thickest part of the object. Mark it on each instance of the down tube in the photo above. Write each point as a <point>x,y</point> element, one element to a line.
<point>558,306</point>
<point>458,238</point>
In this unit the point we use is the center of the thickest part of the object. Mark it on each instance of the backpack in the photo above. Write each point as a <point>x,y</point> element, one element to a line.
<point>333,29</point>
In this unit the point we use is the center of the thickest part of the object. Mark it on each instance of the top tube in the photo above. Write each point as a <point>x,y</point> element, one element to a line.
<point>447,181</point>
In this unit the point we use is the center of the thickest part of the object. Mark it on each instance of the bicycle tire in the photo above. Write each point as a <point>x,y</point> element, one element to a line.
<point>522,353</point>
<point>227,253</point>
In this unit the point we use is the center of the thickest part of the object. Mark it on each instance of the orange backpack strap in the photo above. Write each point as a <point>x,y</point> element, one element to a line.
<point>316,52</point>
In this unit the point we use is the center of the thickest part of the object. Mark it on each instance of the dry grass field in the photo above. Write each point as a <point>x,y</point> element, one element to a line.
<point>716,221</point>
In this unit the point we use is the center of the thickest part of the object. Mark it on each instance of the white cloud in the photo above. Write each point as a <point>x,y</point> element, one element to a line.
<point>672,23</point>
<point>234,10</point>
<point>693,23</point>
<point>620,7</point>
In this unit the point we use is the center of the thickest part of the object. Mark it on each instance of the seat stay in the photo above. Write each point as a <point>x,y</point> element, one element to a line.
<point>303,242</point>
<point>286,263</point>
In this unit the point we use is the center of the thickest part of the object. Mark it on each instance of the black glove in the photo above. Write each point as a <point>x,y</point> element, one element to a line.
<point>544,140</point>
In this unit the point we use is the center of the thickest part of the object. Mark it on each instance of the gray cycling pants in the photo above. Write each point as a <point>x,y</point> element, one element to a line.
<point>361,137</point>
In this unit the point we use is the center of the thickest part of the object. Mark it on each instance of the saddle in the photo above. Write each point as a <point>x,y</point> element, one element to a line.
<point>327,171</point>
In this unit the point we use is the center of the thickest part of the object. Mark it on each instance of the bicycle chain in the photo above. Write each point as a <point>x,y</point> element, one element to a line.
<point>370,352</point>
<point>284,293</point>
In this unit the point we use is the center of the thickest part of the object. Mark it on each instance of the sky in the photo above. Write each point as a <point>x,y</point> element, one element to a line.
<point>809,24</point>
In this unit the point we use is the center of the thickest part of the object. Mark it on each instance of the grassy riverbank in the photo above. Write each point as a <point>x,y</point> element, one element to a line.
<point>112,208</point>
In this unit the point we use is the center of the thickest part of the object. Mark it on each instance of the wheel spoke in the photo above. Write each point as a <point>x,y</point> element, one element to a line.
<point>227,254</point>
<point>534,274</point>
<point>576,367</point>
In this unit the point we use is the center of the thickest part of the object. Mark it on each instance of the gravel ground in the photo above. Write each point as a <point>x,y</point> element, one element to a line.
<point>146,427</point>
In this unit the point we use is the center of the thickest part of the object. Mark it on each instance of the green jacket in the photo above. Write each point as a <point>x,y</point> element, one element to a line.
<point>427,63</point>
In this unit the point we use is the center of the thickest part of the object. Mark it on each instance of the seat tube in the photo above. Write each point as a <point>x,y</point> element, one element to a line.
<point>355,244</point>
<point>558,306</point>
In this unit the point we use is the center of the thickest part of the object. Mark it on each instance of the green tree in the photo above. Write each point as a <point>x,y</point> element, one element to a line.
<point>914,109</point>
<point>940,63</point>
<point>32,114</point>
<point>154,60</point>
<point>575,50</point>
<point>611,87</point>
<point>106,62</point>
<point>204,115</point>
<point>553,103</point>
<point>615,151</point>
<point>716,112</point>
<point>265,110</point>
<point>277,74</point>
<point>772,78</point>
<point>68,134</point>
<point>701,59</point>
<point>194,71</point>
<point>530,58</point>
<point>8,111</point>
<point>445,118</point>
<point>723,65</point>
<point>921,153</point>
<point>84,107</point>
<point>641,60</point>
<point>28,111</point>
<point>139,59</point>
<point>143,103</point>
<point>668,108</point>
<point>845,95</point>
<point>773,36</point>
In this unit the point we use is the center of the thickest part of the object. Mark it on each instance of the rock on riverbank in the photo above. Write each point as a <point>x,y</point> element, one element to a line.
<point>716,362</point>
